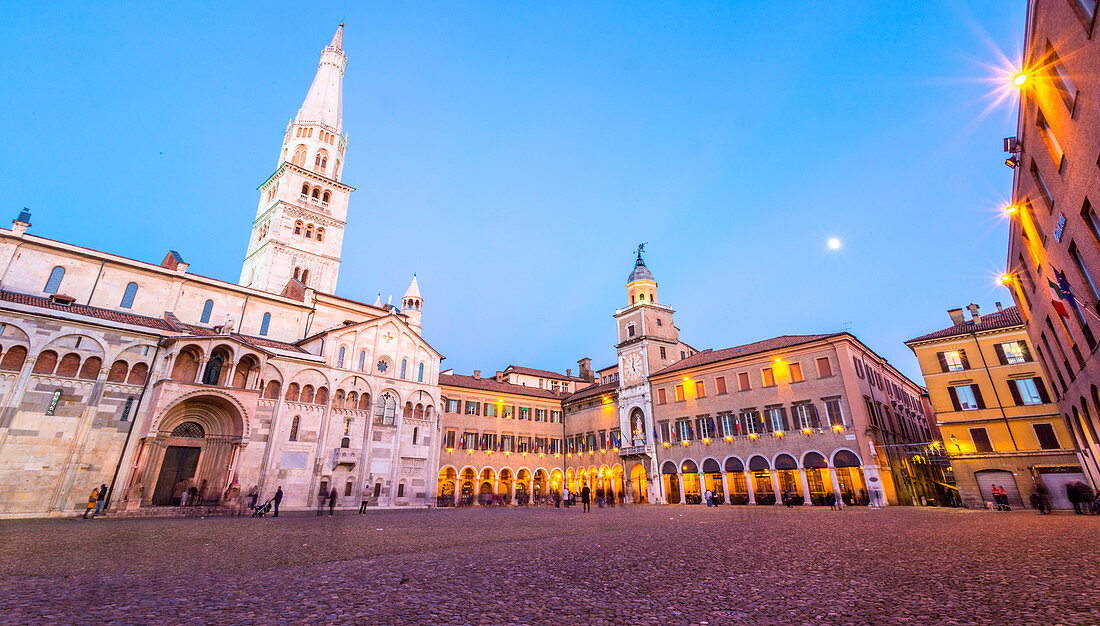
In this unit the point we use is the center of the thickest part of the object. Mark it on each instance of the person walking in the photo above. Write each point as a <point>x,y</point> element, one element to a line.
<point>92,499</point>
<point>332,502</point>
<point>599,496</point>
<point>586,495</point>
<point>99,500</point>
<point>363,500</point>
<point>277,499</point>
<point>253,496</point>
<point>565,496</point>
<point>322,498</point>
<point>830,499</point>
<point>706,497</point>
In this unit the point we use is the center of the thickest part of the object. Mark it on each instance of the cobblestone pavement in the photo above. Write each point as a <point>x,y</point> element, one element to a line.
<point>653,564</point>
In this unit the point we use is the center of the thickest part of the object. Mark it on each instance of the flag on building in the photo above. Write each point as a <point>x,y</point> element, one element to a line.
<point>1058,298</point>
<point>1063,285</point>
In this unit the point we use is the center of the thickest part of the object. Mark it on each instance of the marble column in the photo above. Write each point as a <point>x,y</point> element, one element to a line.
<point>683,496</point>
<point>726,488</point>
<point>752,488</point>
<point>836,485</point>
<point>775,487</point>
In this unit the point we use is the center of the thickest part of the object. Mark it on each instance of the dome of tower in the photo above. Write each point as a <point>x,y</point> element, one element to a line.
<point>641,272</point>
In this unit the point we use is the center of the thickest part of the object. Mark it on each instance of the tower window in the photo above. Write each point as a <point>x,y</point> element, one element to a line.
<point>320,233</point>
<point>298,227</point>
<point>316,193</point>
<point>54,283</point>
<point>305,277</point>
<point>325,197</point>
<point>305,189</point>
<point>129,295</point>
<point>265,323</point>
<point>309,231</point>
<point>630,330</point>
<point>207,309</point>
<point>299,156</point>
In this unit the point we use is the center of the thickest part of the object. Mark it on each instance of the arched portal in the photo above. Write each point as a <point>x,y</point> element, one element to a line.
<point>817,477</point>
<point>639,484</point>
<point>466,486</point>
<point>485,491</point>
<point>712,478</point>
<point>693,493</point>
<point>538,489</point>
<point>504,486</point>
<point>763,491</point>
<point>196,444</point>
<point>790,486</point>
<point>446,486</point>
<point>849,473</point>
<point>735,478</point>
<point>670,475</point>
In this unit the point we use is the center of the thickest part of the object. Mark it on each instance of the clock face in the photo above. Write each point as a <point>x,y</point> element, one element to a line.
<point>632,364</point>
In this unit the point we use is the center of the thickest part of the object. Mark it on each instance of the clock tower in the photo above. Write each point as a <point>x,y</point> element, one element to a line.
<point>648,342</point>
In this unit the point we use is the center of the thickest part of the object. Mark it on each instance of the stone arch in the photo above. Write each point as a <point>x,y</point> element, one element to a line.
<point>807,458</point>
<point>758,463</point>
<point>118,372</point>
<point>733,463</point>
<point>784,461</point>
<point>185,366</point>
<point>847,457</point>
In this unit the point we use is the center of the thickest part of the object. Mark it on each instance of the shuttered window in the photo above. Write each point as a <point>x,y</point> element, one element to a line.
<point>743,381</point>
<point>824,367</point>
<point>1045,434</point>
<point>981,440</point>
<point>966,397</point>
<point>720,384</point>
<point>661,396</point>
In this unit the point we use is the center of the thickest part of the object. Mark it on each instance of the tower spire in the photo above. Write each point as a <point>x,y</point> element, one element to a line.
<point>324,104</point>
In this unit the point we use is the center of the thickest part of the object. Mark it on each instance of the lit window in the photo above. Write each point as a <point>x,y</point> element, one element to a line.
<point>775,417</point>
<point>954,360</point>
<point>1014,352</point>
<point>679,393</point>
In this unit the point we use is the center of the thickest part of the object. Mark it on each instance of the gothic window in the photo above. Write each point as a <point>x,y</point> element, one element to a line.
<point>404,366</point>
<point>298,227</point>
<point>299,156</point>
<point>325,197</point>
<point>297,273</point>
<point>309,231</point>
<point>320,161</point>
<point>129,295</point>
<point>362,360</point>
<point>54,283</point>
<point>265,323</point>
<point>294,423</point>
<point>420,374</point>
<point>320,233</point>
<point>305,277</point>
<point>340,357</point>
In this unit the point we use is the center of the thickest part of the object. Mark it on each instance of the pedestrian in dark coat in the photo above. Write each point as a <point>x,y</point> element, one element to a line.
<point>277,499</point>
<point>332,501</point>
<point>100,498</point>
<point>322,498</point>
<point>92,499</point>
<point>586,498</point>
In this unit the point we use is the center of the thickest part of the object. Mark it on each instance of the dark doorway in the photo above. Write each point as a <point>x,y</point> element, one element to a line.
<point>179,464</point>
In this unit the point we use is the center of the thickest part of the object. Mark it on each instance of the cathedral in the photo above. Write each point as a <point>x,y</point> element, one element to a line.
<point>159,382</point>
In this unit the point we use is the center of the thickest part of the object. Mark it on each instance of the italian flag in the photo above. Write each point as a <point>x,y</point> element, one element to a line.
<point>1058,299</point>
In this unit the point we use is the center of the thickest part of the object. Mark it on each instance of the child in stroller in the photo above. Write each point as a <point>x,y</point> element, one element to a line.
<point>261,510</point>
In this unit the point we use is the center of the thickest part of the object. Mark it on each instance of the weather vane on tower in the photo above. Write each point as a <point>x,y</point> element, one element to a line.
<point>641,249</point>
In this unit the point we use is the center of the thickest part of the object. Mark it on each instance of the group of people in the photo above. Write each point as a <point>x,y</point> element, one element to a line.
<point>188,494</point>
<point>1083,499</point>
<point>95,502</point>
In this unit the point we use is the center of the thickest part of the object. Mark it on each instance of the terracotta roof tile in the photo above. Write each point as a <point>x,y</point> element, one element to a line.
<point>530,371</point>
<point>490,384</point>
<point>264,342</point>
<point>713,356</point>
<point>1005,318</point>
<point>593,390</point>
<point>87,311</point>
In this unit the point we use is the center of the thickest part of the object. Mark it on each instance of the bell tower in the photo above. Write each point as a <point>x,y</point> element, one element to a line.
<point>298,232</point>
<point>648,342</point>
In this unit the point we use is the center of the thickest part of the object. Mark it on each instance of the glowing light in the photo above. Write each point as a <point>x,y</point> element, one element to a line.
<point>807,431</point>
<point>1010,209</point>
<point>706,439</point>
<point>1019,79</point>
<point>685,442</point>
<point>1005,279</point>
<point>667,444</point>
<point>834,243</point>
<point>779,433</point>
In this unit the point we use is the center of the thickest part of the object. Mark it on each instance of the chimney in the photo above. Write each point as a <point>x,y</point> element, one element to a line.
<point>956,316</point>
<point>999,309</point>
<point>585,370</point>
<point>500,376</point>
<point>568,373</point>
<point>477,374</point>
<point>974,317</point>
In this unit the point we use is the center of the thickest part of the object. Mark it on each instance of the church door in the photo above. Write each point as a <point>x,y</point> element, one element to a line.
<point>179,464</point>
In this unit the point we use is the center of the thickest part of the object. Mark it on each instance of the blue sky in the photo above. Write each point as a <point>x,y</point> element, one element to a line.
<point>513,155</point>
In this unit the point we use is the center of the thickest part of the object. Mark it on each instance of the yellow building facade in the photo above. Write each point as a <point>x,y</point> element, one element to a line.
<point>994,409</point>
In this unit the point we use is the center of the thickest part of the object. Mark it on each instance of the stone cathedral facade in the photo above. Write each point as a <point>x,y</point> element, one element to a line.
<point>151,379</point>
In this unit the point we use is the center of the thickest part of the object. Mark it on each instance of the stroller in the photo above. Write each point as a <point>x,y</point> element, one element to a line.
<point>261,510</point>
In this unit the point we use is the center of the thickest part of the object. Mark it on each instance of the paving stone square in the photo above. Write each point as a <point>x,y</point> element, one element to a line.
<point>638,565</point>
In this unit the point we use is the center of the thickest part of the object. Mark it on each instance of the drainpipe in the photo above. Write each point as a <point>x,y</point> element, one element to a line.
<point>996,395</point>
<point>133,425</point>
